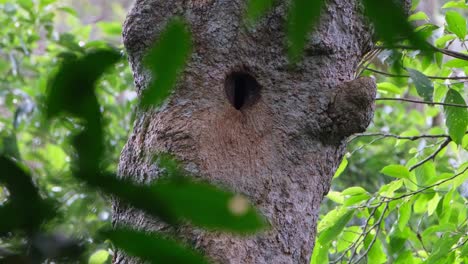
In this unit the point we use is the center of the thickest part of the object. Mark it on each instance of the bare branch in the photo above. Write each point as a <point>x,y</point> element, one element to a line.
<point>388,199</point>
<point>420,102</point>
<point>386,135</point>
<point>433,155</point>
<point>407,76</point>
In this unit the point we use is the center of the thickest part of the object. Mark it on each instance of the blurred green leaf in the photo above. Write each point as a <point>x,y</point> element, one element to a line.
<point>456,117</point>
<point>388,87</point>
<point>110,28</point>
<point>455,4</point>
<point>319,254</point>
<point>404,214</point>
<point>333,223</point>
<point>420,15</point>
<point>153,247</point>
<point>99,257</point>
<point>207,206</point>
<point>341,168</point>
<point>25,209</point>
<point>391,23</point>
<point>302,16</point>
<point>166,60</point>
<point>71,90</point>
<point>376,252</point>
<point>256,9</point>
<point>441,248</point>
<point>456,23</point>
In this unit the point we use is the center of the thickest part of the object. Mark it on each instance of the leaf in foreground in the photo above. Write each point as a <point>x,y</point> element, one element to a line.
<point>71,90</point>
<point>208,206</point>
<point>25,209</point>
<point>256,9</point>
<point>303,14</point>
<point>153,247</point>
<point>166,60</point>
<point>391,23</point>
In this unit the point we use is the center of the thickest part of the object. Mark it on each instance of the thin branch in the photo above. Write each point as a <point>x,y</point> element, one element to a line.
<point>386,135</point>
<point>447,52</point>
<point>459,245</point>
<point>354,244</point>
<point>371,244</point>
<point>376,225</point>
<point>420,102</point>
<point>389,199</point>
<point>433,155</point>
<point>407,76</point>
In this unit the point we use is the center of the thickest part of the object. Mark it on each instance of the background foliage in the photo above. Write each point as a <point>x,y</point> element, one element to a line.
<point>400,196</point>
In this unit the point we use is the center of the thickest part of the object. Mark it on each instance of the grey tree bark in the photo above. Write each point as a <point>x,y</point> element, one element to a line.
<point>283,144</point>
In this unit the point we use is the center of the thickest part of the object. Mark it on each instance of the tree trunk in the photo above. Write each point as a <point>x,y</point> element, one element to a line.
<point>278,141</point>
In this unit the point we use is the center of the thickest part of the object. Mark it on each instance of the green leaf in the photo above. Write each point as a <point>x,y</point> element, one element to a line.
<point>405,258</point>
<point>341,168</point>
<point>376,253</point>
<point>455,4</point>
<point>418,16</point>
<point>442,248</point>
<point>166,59</point>
<point>395,170</point>
<point>207,206</point>
<point>424,86</point>
<point>440,42</point>
<point>456,24</point>
<point>302,16</point>
<point>456,117</point>
<point>426,173</point>
<point>69,10</point>
<point>354,195</point>
<point>432,204</point>
<point>71,90</point>
<point>336,197</point>
<point>153,247</point>
<point>25,209</point>
<point>391,23</point>
<point>388,87</point>
<point>388,190</point>
<point>110,28</point>
<point>320,254</point>
<point>256,9</point>
<point>354,191</point>
<point>99,257</point>
<point>456,63</point>
<point>404,214</point>
<point>333,223</point>
<point>420,205</point>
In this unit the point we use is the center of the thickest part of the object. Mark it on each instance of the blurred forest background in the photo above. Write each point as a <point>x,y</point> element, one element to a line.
<point>35,35</point>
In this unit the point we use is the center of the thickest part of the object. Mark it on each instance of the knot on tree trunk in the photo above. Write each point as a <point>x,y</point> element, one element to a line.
<point>352,107</point>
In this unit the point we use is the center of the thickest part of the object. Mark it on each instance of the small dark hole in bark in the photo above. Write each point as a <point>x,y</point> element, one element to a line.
<point>242,90</point>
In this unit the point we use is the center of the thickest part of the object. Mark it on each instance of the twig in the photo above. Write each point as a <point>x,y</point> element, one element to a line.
<point>407,76</point>
<point>447,52</point>
<point>389,199</point>
<point>420,102</point>
<point>433,155</point>
<point>376,225</point>
<point>363,233</point>
<point>412,138</point>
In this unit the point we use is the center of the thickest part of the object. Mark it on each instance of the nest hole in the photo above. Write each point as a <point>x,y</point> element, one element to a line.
<point>242,89</point>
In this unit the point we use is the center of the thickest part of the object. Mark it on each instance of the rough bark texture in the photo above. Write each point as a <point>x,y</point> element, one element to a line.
<point>282,150</point>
